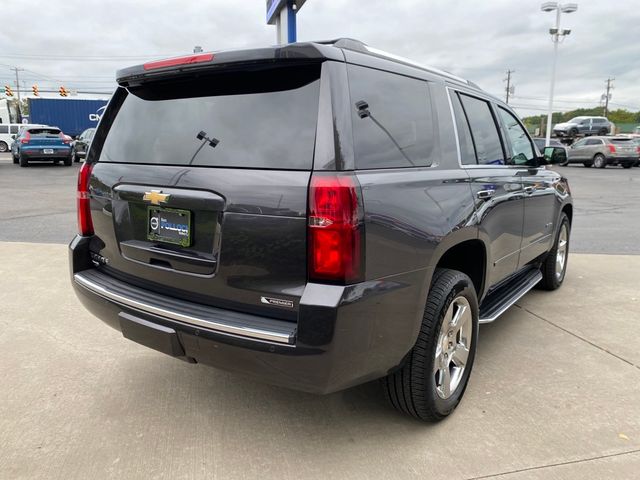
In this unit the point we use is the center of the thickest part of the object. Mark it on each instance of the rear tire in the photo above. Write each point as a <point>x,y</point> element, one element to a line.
<point>432,380</point>
<point>573,132</point>
<point>4,147</point>
<point>23,161</point>
<point>599,161</point>
<point>602,132</point>
<point>554,267</point>
<point>627,165</point>
<point>15,159</point>
<point>68,162</point>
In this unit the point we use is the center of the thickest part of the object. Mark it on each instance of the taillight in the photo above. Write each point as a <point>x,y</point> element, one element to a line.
<point>335,229</point>
<point>26,138</point>
<point>172,62</point>
<point>64,138</point>
<point>85,224</point>
<point>612,148</point>
<point>638,150</point>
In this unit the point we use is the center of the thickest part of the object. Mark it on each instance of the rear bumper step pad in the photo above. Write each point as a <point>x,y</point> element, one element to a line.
<point>211,318</point>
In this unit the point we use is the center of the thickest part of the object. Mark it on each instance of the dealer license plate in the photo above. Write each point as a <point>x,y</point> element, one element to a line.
<point>169,225</point>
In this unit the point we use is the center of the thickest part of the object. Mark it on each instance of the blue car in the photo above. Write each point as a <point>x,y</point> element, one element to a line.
<point>41,144</point>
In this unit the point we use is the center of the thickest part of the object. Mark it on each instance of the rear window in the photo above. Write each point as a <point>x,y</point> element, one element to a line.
<point>44,132</point>
<point>621,140</point>
<point>263,118</point>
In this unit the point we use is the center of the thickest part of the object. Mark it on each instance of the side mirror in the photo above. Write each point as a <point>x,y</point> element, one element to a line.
<point>555,155</point>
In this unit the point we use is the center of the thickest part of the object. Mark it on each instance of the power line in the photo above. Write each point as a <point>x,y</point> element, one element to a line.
<point>88,57</point>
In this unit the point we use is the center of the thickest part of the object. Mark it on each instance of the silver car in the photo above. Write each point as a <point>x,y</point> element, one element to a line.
<point>582,126</point>
<point>602,151</point>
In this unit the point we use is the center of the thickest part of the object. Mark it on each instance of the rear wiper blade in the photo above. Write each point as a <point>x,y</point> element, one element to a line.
<point>202,136</point>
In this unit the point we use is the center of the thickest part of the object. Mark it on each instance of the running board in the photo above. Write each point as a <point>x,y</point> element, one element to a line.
<point>499,301</point>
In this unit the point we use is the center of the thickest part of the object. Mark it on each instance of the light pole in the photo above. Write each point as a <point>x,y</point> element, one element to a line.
<point>556,33</point>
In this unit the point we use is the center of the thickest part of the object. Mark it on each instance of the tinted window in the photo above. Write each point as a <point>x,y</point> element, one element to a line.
<point>621,141</point>
<point>4,129</point>
<point>14,129</point>
<point>593,141</point>
<point>483,128</point>
<point>260,119</point>
<point>599,120</point>
<point>44,132</point>
<point>521,149</point>
<point>580,143</point>
<point>392,119</point>
<point>467,152</point>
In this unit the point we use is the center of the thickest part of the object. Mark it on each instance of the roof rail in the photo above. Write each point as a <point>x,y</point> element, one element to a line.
<point>348,43</point>
<point>358,46</point>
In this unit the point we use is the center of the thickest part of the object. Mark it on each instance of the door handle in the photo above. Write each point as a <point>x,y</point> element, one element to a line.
<point>485,194</point>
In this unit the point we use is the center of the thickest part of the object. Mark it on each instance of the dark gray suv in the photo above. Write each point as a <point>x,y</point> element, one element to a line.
<point>315,215</point>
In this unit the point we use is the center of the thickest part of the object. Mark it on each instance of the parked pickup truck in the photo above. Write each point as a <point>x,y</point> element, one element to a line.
<point>315,215</point>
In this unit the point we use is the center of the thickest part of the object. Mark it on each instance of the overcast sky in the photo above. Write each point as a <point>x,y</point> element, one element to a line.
<point>80,43</point>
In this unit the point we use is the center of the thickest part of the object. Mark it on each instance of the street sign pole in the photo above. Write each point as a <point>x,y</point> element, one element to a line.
<point>282,14</point>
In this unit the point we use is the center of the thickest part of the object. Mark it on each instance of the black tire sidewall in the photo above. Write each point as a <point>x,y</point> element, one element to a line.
<point>462,286</point>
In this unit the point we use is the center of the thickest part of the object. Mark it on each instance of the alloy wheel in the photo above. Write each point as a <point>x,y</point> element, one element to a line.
<point>452,349</point>
<point>561,254</point>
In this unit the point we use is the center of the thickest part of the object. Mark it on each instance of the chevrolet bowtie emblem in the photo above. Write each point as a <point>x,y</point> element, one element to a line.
<point>156,197</point>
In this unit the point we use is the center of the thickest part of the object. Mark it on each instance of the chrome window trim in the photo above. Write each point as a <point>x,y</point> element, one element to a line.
<point>455,130</point>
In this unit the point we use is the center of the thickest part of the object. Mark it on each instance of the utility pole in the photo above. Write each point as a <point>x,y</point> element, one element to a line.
<point>508,80</point>
<point>16,69</point>
<point>607,96</point>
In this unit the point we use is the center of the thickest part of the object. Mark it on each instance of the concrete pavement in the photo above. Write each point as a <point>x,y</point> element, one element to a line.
<point>555,393</point>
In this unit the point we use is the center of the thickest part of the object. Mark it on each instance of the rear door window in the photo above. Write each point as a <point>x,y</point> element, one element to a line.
<point>4,129</point>
<point>392,119</point>
<point>255,118</point>
<point>14,128</point>
<point>484,130</point>
<point>467,151</point>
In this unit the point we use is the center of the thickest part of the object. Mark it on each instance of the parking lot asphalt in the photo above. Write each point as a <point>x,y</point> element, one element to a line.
<point>38,205</point>
<point>555,391</point>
